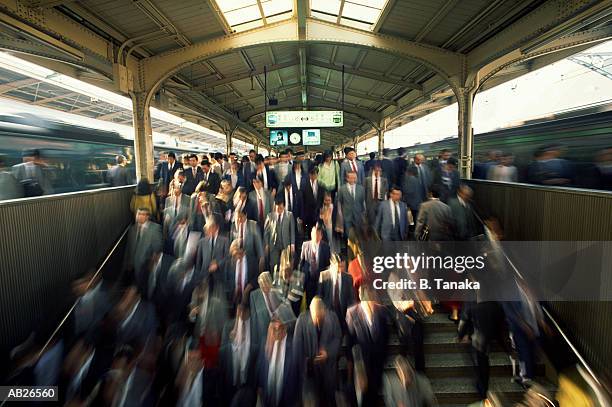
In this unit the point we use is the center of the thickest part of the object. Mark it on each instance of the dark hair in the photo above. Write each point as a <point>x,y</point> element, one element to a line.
<point>412,171</point>
<point>193,156</point>
<point>287,182</point>
<point>218,156</point>
<point>171,154</point>
<point>280,199</point>
<point>205,162</point>
<point>259,159</point>
<point>143,187</point>
<point>314,170</point>
<point>394,188</point>
<point>372,155</point>
<point>252,151</point>
<point>452,161</point>
<point>435,191</point>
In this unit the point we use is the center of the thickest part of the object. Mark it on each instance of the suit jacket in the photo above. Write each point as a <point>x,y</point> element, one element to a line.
<point>271,239</point>
<point>290,385</point>
<point>172,214</point>
<point>252,239</point>
<point>346,166</point>
<point>400,164</point>
<point>138,254</point>
<point>271,177</point>
<point>353,209</point>
<point>297,208</point>
<point>310,211</point>
<point>251,277</point>
<point>239,179</point>
<point>312,268</point>
<point>192,182</point>
<point>214,180</point>
<point>424,178</point>
<point>307,344</point>
<point>260,314</point>
<point>388,170</point>
<point>466,223</point>
<point>437,216</point>
<point>253,208</point>
<point>140,327</point>
<point>347,293</point>
<point>220,253</point>
<point>163,172</point>
<point>372,202</point>
<point>10,188</point>
<point>117,176</point>
<point>412,192</point>
<point>25,171</point>
<point>384,221</point>
<point>298,181</point>
<point>446,190</point>
<point>282,170</point>
<point>197,220</point>
<point>179,290</point>
<point>226,359</point>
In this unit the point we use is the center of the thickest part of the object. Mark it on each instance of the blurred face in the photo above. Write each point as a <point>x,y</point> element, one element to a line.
<point>235,166</point>
<point>193,161</point>
<point>232,158</point>
<point>395,195</point>
<point>327,200</point>
<point>142,217</point>
<point>317,311</point>
<point>445,155</point>
<point>206,168</point>
<point>419,159</point>
<point>283,158</point>
<point>328,158</point>
<point>257,183</point>
<point>313,177</point>
<point>351,155</point>
<point>377,171</point>
<point>351,178</point>
<point>212,230</point>
<point>280,209</point>
<point>171,160</point>
<point>252,155</point>
<point>465,193</point>
<point>341,266</point>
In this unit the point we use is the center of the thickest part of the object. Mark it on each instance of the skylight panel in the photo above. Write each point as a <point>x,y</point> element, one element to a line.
<point>361,14</point>
<point>243,15</point>
<point>276,7</point>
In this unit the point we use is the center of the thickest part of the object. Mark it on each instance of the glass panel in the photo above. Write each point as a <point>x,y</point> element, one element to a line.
<point>361,13</point>
<point>322,16</point>
<point>278,17</point>
<point>356,24</point>
<point>248,26</point>
<point>243,15</point>
<point>326,6</point>
<point>230,5</point>
<point>379,4</point>
<point>272,7</point>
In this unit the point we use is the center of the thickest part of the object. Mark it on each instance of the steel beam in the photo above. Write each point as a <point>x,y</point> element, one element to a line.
<point>360,95</point>
<point>9,86</point>
<point>245,75</point>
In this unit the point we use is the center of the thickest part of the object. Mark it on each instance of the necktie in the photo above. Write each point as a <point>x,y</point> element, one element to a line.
<point>279,231</point>
<point>337,294</point>
<point>314,190</point>
<point>354,166</point>
<point>193,171</point>
<point>212,245</point>
<point>289,203</point>
<point>353,191</point>
<point>176,204</point>
<point>376,188</point>
<point>241,235</point>
<point>138,230</point>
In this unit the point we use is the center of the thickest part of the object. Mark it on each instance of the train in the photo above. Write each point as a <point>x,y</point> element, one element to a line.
<point>581,133</point>
<point>77,158</point>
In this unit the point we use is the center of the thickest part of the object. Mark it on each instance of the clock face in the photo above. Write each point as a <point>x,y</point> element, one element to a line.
<point>295,138</point>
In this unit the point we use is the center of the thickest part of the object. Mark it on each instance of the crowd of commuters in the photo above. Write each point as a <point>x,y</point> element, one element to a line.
<point>245,281</point>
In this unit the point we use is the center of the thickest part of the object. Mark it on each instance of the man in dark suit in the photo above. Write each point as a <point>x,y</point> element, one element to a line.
<point>376,189</point>
<point>367,326</point>
<point>166,169</point>
<point>211,178</point>
<point>294,202</point>
<point>466,224</point>
<point>248,232</point>
<point>193,175</point>
<point>399,165</point>
<point>279,233</point>
<point>176,207</point>
<point>213,252</point>
<point>388,168</point>
<point>247,169</point>
<point>138,321</point>
<point>313,199</point>
<point>367,167</point>
<point>298,176</point>
<point>336,289</point>
<point>316,343</point>
<point>351,202</point>
<point>260,203</point>
<point>242,273</point>
<point>436,217</point>
<point>351,164</point>
<point>315,257</point>
<point>118,176</point>
<point>423,175</point>
<point>392,221</point>
<point>278,386</point>
<point>144,240</point>
<point>266,175</point>
<point>447,179</point>
<point>411,191</point>
<point>235,176</point>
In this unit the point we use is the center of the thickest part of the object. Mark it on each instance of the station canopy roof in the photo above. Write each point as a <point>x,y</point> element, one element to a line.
<point>384,47</point>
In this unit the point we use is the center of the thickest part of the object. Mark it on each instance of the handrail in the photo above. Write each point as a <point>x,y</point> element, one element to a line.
<point>93,278</point>
<point>558,328</point>
<point>51,197</point>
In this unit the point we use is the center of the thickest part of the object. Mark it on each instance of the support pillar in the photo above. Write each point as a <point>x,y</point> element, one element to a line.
<point>465,100</point>
<point>143,137</point>
<point>381,142</point>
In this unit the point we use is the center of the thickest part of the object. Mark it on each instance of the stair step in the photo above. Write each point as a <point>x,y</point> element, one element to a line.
<point>463,390</point>
<point>446,342</point>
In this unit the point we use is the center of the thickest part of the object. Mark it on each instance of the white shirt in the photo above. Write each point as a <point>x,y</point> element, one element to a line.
<point>298,178</point>
<point>289,198</point>
<point>241,266</point>
<point>276,369</point>
<point>264,175</point>
<point>375,178</point>
<point>393,209</point>
<point>240,351</point>
<point>313,184</point>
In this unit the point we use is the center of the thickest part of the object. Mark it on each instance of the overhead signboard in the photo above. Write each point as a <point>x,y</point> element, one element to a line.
<point>305,118</point>
<point>311,137</point>
<point>279,137</point>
